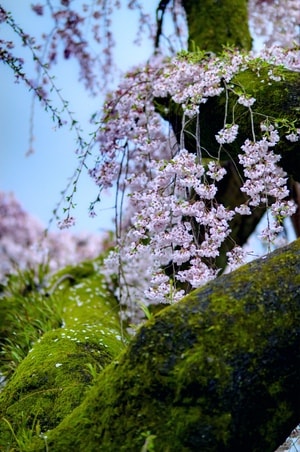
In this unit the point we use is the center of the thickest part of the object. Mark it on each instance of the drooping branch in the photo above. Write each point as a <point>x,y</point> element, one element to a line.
<point>211,26</point>
<point>276,101</point>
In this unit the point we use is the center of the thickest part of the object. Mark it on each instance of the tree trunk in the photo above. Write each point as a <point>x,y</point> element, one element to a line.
<point>219,371</point>
<point>213,24</point>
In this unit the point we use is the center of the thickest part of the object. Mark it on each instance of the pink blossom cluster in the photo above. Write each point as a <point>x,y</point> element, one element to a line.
<point>293,136</point>
<point>229,133</point>
<point>265,180</point>
<point>167,214</point>
<point>172,229</point>
<point>289,58</point>
<point>169,226</point>
<point>23,243</point>
<point>264,177</point>
<point>236,257</point>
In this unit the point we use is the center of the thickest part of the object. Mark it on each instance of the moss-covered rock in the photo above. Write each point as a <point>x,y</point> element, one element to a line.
<point>219,371</point>
<point>86,299</point>
<point>56,373</point>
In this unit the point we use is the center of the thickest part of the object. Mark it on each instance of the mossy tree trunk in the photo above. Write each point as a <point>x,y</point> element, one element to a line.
<point>213,24</point>
<point>217,372</point>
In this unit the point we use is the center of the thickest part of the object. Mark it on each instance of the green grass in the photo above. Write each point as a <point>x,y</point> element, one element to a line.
<point>26,313</point>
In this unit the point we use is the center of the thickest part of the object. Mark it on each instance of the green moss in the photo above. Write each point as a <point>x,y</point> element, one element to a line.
<point>62,364</point>
<point>86,297</point>
<point>214,24</point>
<point>76,295</point>
<point>219,371</point>
<point>52,380</point>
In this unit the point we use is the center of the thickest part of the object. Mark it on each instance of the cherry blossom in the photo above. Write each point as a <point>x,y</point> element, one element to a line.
<point>246,100</point>
<point>236,257</point>
<point>169,226</point>
<point>173,228</point>
<point>228,134</point>
<point>293,136</point>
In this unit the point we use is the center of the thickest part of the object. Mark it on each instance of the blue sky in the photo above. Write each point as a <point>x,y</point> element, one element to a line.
<point>38,179</point>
